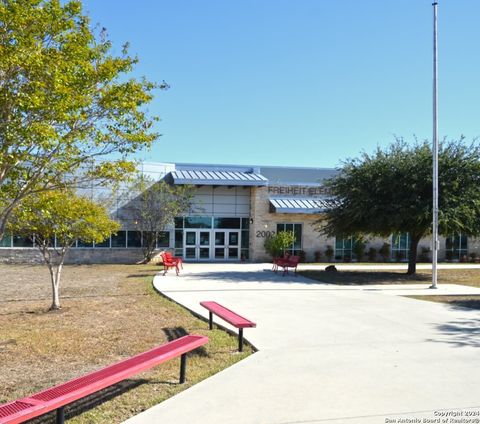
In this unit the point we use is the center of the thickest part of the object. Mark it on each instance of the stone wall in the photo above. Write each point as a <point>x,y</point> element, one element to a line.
<point>74,256</point>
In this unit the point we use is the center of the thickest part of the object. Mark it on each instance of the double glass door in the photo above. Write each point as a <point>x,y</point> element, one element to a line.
<point>212,244</point>
<point>197,244</point>
<point>227,244</point>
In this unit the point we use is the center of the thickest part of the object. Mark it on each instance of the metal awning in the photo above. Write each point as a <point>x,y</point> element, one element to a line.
<point>300,205</point>
<point>216,177</point>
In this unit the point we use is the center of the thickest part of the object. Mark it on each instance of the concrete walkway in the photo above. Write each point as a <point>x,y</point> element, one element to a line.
<point>328,354</point>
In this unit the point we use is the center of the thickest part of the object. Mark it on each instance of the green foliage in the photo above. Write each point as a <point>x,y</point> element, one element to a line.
<point>372,254</point>
<point>279,243</point>
<point>390,191</point>
<point>359,249</point>
<point>65,102</point>
<point>67,217</point>
<point>384,252</point>
<point>155,206</point>
<point>64,215</point>
<point>329,252</point>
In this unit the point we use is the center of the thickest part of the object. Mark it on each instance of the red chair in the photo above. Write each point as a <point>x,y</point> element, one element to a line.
<point>169,263</point>
<point>172,258</point>
<point>279,261</point>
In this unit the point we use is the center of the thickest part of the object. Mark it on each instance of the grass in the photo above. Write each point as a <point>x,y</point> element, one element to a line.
<point>468,277</point>
<point>470,301</point>
<point>109,312</point>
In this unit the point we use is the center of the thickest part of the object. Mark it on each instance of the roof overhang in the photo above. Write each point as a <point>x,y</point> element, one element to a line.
<point>301,205</point>
<point>217,177</point>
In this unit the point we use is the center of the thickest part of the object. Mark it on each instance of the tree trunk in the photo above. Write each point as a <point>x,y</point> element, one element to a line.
<point>56,287</point>
<point>412,254</point>
<point>55,270</point>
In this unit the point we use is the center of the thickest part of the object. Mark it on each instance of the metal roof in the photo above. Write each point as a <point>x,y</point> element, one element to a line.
<point>217,177</point>
<point>301,205</point>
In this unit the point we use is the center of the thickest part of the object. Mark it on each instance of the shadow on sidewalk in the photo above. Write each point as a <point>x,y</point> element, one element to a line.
<point>460,333</point>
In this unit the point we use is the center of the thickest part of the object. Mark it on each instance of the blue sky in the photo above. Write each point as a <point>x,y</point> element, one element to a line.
<point>297,83</point>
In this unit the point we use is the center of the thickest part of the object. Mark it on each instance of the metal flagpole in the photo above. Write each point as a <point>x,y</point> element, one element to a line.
<point>435,153</point>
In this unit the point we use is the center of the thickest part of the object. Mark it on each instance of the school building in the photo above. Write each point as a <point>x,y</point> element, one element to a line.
<point>235,208</point>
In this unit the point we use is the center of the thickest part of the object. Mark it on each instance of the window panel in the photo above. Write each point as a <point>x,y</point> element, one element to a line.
<point>163,239</point>
<point>134,239</point>
<point>119,239</point>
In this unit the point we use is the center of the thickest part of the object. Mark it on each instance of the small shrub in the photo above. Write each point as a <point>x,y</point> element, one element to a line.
<point>372,254</point>
<point>329,252</point>
<point>279,243</point>
<point>473,257</point>
<point>399,256</point>
<point>318,256</point>
<point>449,255</point>
<point>424,255</point>
<point>359,250</point>
<point>302,255</point>
<point>385,252</point>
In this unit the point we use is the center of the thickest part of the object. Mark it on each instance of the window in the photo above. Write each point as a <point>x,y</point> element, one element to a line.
<point>343,248</point>
<point>297,230</point>
<point>400,246</point>
<point>119,239</point>
<point>134,239</point>
<point>198,222</point>
<point>6,241</point>
<point>456,246</point>
<point>84,244</point>
<point>227,223</point>
<point>163,239</point>
<point>21,241</point>
<point>104,243</point>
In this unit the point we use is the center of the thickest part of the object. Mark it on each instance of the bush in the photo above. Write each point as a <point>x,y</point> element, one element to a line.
<point>385,252</point>
<point>359,250</point>
<point>318,256</point>
<point>279,243</point>
<point>424,255</point>
<point>449,255</point>
<point>399,256</point>
<point>372,254</point>
<point>473,257</point>
<point>329,252</point>
<point>302,255</point>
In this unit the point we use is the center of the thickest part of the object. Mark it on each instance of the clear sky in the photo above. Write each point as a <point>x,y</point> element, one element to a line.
<point>298,82</point>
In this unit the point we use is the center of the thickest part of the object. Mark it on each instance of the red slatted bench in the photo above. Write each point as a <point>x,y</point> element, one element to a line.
<point>57,397</point>
<point>231,317</point>
<point>170,262</point>
<point>290,262</point>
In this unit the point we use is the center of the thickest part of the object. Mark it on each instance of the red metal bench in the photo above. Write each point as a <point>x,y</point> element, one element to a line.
<point>231,317</point>
<point>290,262</point>
<point>276,261</point>
<point>172,258</point>
<point>169,262</point>
<point>57,397</point>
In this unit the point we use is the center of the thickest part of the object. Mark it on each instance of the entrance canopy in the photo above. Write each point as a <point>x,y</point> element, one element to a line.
<point>219,177</point>
<point>305,205</point>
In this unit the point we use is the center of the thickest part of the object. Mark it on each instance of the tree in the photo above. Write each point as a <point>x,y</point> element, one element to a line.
<point>65,102</point>
<point>277,245</point>
<point>155,207</point>
<point>63,216</point>
<point>390,191</point>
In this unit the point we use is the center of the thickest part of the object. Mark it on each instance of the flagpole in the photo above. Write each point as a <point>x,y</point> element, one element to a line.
<point>435,152</point>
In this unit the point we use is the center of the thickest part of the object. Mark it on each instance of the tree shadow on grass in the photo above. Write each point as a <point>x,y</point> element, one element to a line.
<point>89,402</point>
<point>174,333</point>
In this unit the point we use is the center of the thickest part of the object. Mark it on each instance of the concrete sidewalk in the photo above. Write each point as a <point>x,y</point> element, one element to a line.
<point>328,353</point>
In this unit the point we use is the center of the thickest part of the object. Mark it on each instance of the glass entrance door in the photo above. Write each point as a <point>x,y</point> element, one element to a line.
<point>197,245</point>
<point>227,245</point>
